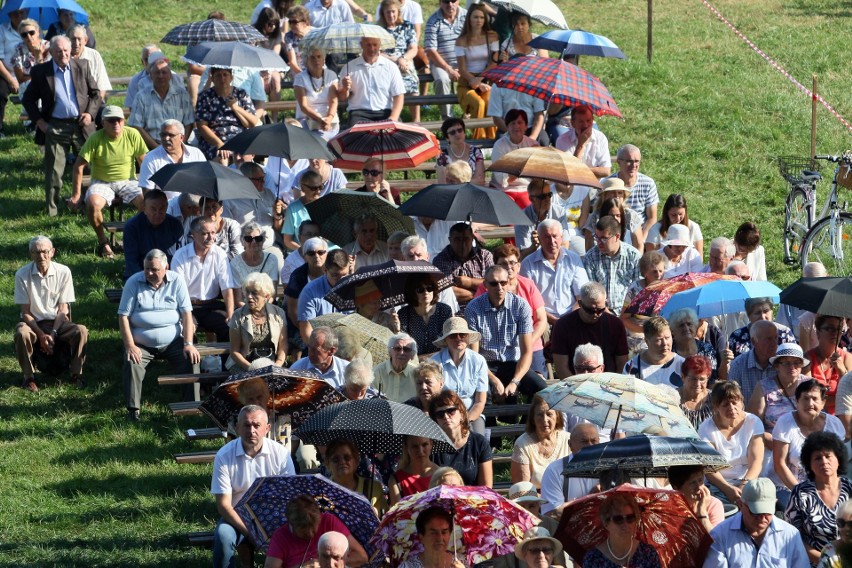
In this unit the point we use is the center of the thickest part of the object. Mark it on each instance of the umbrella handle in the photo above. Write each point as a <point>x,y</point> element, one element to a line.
<point>617,419</point>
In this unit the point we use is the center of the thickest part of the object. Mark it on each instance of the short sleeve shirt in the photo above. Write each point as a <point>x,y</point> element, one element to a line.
<point>500,327</point>
<point>234,471</point>
<point>114,160</point>
<point>608,333</point>
<point>154,315</point>
<point>441,35</point>
<point>44,294</point>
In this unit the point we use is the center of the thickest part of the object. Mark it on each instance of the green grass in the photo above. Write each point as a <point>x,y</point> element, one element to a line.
<point>80,487</point>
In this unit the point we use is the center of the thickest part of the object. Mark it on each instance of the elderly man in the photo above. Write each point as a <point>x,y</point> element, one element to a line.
<point>722,250</point>
<point>204,268</point>
<point>443,28</point>
<point>395,377</point>
<point>111,153</point>
<point>162,100</point>
<point>590,323</point>
<point>155,322</point>
<point>556,489</point>
<point>358,381</point>
<point>586,142</point>
<point>142,75</point>
<point>259,210</point>
<point>464,263</point>
<point>9,39</point>
<point>372,84</point>
<point>754,536</point>
<point>332,550</point>
<point>321,358</point>
<point>235,468</point>
<point>374,179</point>
<point>612,262</point>
<point>541,207</point>
<point>172,150</point>
<point>312,302</point>
<point>557,271</point>
<point>749,368</point>
<point>366,248</point>
<point>465,371</point>
<point>643,197</point>
<point>504,322</point>
<point>416,248</point>
<point>79,36</point>
<point>62,101</point>
<point>43,291</point>
<point>150,229</point>
<point>184,206</point>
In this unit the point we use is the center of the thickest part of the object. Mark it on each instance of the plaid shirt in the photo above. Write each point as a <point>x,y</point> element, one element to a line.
<point>746,372</point>
<point>616,273</point>
<point>499,327</point>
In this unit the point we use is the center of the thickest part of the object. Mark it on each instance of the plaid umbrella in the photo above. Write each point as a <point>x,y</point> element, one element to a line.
<point>345,38</point>
<point>465,202</point>
<point>371,336</point>
<point>263,507</point>
<point>577,42</point>
<point>828,296</point>
<point>337,211</point>
<point>296,393</point>
<point>280,139</point>
<point>376,425</point>
<point>398,145</point>
<point>665,522</point>
<point>554,80</point>
<point>654,296</point>
<point>486,524</point>
<point>212,30</point>
<point>234,54</point>
<point>544,11</point>
<point>207,179</point>
<point>389,277</point>
<point>548,163</point>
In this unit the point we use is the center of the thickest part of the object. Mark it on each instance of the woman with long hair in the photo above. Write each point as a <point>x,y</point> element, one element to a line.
<point>675,212</point>
<point>476,52</point>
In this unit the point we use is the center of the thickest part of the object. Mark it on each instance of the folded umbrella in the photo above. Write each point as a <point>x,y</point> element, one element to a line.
<point>398,145</point>
<point>827,296</point>
<point>720,297</point>
<point>207,179</point>
<point>389,277</point>
<point>212,30</point>
<point>280,139</point>
<point>576,42</point>
<point>337,211</point>
<point>465,202</point>
<point>234,54</point>
<point>546,162</point>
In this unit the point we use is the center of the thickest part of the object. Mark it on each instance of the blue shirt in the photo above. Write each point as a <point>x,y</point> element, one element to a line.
<point>312,302</point>
<point>499,327</point>
<point>733,547</point>
<point>559,285</point>
<point>141,237</point>
<point>154,314</point>
<point>65,95</point>
<point>334,375</point>
<point>746,372</point>
<point>468,378</point>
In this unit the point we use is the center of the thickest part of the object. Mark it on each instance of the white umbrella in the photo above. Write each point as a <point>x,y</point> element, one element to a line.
<point>544,11</point>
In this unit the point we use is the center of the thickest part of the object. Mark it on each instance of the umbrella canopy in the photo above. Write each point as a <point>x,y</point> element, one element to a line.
<point>263,507</point>
<point>465,202</point>
<point>398,145</point>
<point>544,11</point>
<point>827,296</point>
<point>45,12</point>
<point>282,140</point>
<point>207,179</point>
<point>337,211</point>
<point>371,336</point>
<point>376,425</point>
<point>610,399</point>
<point>576,42</point>
<point>296,393</point>
<point>644,456</point>
<point>194,33</point>
<point>234,54</point>
<point>486,524</point>
<point>389,277</point>
<point>720,297</point>
<point>665,523</point>
<point>548,163</point>
<point>554,80</point>
<point>651,300</point>
<point>345,38</point>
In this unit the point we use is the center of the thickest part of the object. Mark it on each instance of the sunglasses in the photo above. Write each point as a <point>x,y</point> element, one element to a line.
<point>455,131</point>
<point>496,283</point>
<point>442,412</point>
<point>251,239</point>
<point>591,310</point>
<point>315,252</point>
<point>621,519</point>
<point>312,187</point>
<point>373,173</point>
<point>543,550</point>
<point>449,1</point>
<point>399,349</point>
<point>424,289</point>
<point>28,33</point>
<point>586,369</point>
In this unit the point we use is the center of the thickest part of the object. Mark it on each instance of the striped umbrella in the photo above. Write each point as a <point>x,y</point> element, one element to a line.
<point>554,80</point>
<point>398,145</point>
<point>576,42</point>
<point>345,38</point>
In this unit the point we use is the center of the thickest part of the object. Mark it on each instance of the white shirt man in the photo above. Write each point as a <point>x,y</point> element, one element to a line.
<point>172,150</point>
<point>372,84</point>
<point>585,142</point>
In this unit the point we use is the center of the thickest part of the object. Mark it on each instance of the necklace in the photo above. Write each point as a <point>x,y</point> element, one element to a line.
<point>620,559</point>
<point>314,85</point>
<point>453,153</point>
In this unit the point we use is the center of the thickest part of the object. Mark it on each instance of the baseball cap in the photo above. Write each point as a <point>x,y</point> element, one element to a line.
<point>113,111</point>
<point>759,496</point>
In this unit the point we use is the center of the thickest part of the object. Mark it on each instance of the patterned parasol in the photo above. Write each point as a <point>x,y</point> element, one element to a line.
<point>651,300</point>
<point>345,38</point>
<point>389,277</point>
<point>194,33</point>
<point>337,211</point>
<point>371,336</point>
<point>398,145</point>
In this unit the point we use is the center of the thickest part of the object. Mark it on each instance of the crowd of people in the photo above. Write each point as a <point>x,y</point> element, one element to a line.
<point>774,399</point>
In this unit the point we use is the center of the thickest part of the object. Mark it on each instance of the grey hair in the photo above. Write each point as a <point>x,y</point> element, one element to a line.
<point>678,316</point>
<point>251,409</point>
<point>249,227</point>
<point>725,245</point>
<point>175,123</point>
<point>247,168</point>
<point>195,226</point>
<point>76,27</point>
<point>593,291</point>
<point>330,341</point>
<point>259,281</point>
<point>157,254</point>
<point>39,239</point>
<point>733,264</point>
<point>410,243</point>
<point>548,224</point>
<point>588,351</point>
<point>359,222</point>
<point>626,149</point>
<point>494,268</point>
<point>402,336</point>
<point>28,22</point>
<point>55,40</point>
<point>358,373</point>
<point>148,50</point>
<point>814,270</point>
<point>333,538</point>
<point>397,237</point>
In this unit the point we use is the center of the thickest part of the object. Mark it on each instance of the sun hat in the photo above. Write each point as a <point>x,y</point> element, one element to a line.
<point>524,492</point>
<point>367,292</point>
<point>456,325</point>
<point>678,236</point>
<point>113,111</point>
<point>759,496</point>
<point>534,534</point>
<point>614,183</point>
<point>790,350</point>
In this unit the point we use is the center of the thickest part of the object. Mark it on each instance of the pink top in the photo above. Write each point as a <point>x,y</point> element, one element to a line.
<point>294,551</point>
<point>529,292</point>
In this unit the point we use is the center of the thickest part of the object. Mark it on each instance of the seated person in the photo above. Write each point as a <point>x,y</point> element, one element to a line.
<point>681,256</point>
<point>689,480</point>
<point>171,150</point>
<point>258,331</point>
<point>150,229</point>
<point>372,84</point>
<point>183,207</point>
<point>556,489</point>
<point>415,469</point>
<point>331,178</point>
<point>264,211</point>
<point>227,235</point>
<point>614,193</point>
<point>586,142</point>
<point>67,20</point>
<point>366,248</point>
<point>675,212</point>
<point>342,459</point>
<point>395,377</point>
<point>161,101</point>
<point>310,184</point>
<point>658,364</point>
<point>375,182</point>
<point>321,358</point>
<point>465,263</point>
<point>473,460</point>
<point>312,302</point>
<point>750,251</point>
<point>435,530</point>
<point>757,309</point>
<point>543,442</point>
<point>358,381</point>
<point>428,383</point>
<point>254,259</point>
<point>296,259</point>
<point>423,316</point>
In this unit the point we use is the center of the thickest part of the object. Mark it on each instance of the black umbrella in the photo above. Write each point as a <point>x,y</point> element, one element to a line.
<point>207,179</point>
<point>375,425</point>
<point>282,140</point>
<point>465,202</point>
<point>336,212</point>
<point>831,296</point>
<point>390,278</point>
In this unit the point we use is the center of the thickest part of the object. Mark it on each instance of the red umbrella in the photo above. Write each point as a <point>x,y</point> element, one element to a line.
<point>665,523</point>
<point>554,80</point>
<point>651,300</point>
<point>398,145</point>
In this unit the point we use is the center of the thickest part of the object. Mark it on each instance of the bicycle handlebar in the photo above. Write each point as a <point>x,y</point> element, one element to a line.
<point>845,157</point>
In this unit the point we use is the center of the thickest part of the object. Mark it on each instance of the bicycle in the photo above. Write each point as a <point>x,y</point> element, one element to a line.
<point>802,176</point>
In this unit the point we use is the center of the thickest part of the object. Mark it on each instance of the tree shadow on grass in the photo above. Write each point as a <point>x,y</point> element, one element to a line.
<point>825,9</point>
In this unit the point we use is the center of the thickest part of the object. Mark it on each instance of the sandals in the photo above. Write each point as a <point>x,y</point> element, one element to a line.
<point>105,251</point>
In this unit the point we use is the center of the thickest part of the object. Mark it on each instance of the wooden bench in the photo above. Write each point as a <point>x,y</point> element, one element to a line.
<point>191,378</point>
<point>202,539</point>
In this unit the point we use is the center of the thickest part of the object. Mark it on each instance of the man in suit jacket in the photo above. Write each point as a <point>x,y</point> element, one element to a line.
<point>69,100</point>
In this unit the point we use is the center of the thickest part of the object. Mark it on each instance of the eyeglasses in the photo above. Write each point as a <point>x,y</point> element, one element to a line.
<point>28,33</point>
<point>455,131</point>
<point>257,239</point>
<point>543,550</point>
<point>261,178</point>
<point>373,173</point>
<point>255,293</point>
<point>294,22</point>
<point>495,283</point>
<point>113,120</point>
<point>424,289</point>
<point>400,349</point>
<point>169,135</point>
<point>628,162</point>
<point>842,523</point>
<point>315,252</point>
<point>621,519</point>
<point>790,364</point>
<point>591,310</point>
<point>442,412</point>
<point>586,369</point>
<point>508,263</point>
<point>604,240</point>
<point>311,187</point>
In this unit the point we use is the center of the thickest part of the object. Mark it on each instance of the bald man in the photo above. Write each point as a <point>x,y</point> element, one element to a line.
<point>333,550</point>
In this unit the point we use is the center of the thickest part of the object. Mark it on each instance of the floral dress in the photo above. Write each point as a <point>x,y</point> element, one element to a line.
<point>404,36</point>
<point>644,557</point>
<point>213,109</point>
<point>473,156</point>
<point>24,60</point>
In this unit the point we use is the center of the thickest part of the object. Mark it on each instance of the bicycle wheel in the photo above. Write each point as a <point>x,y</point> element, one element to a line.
<point>798,217</point>
<point>831,244</point>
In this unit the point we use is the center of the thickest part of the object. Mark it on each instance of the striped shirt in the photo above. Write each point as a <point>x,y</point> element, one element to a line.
<point>441,35</point>
<point>643,194</point>
<point>150,111</point>
<point>616,273</point>
<point>499,327</point>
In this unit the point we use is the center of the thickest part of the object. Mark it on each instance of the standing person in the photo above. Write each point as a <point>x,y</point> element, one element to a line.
<point>63,111</point>
<point>43,291</point>
<point>374,85</point>
<point>439,40</point>
<point>476,52</point>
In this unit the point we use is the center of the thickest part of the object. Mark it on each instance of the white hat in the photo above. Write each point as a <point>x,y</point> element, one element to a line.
<point>614,183</point>
<point>790,350</point>
<point>456,325</point>
<point>537,533</point>
<point>524,492</point>
<point>678,236</point>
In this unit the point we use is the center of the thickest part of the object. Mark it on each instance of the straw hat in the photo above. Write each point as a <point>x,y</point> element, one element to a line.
<point>535,534</point>
<point>524,492</point>
<point>614,183</point>
<point>456,325</point>
<point>678,236</point>
<point>790,350</point>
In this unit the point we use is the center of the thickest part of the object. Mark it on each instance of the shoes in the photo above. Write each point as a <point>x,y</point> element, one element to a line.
<point>133,415</point>
<point>30,385</point>
<point>105,251</point>
<point>77,381</point>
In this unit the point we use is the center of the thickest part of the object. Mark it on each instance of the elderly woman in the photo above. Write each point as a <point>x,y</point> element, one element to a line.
<point>515,138</point>
<point>544,441</point>
<point>689,480</point>
<point>423,316</point>
<point>457,149</point>
<point>829,362</point>
<point>358,381</point>
<point>620,514</point>
<point>315,89</point>
<point>614,188</point>
<point>253,259</point>
<point>465,371</point>
<point>814,503</point>
<point>222,112</point>
<point>428,383</point>
<point>404,50</point>
<point>735,434</point>
<point>31,51</point>
<point>694,397</point>
<point>831,557</point>
<point>750,251</point>
<point>684,326</point>
<point>258,330</point>
<point>299,22</point>
<point>773,397</point>
<point>342,459</point>
<point>675,212</point>
<point>651,267</point>
<point>473,458</point>
<point>538,549</point>
<point>757,309</point>
<point>476,52</point>
<point>657,364</point>
<point>681,256</point>
<point>435,529</point>
<point>415,469</point>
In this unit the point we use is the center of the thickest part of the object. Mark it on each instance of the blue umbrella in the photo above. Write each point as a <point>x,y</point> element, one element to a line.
<point>720,297</point>
<point>45,12</point>
<point>576,42</point>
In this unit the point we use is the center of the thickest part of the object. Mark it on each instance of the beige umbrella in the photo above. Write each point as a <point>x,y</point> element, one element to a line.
<point>372,337</point>
<point>547,163</point>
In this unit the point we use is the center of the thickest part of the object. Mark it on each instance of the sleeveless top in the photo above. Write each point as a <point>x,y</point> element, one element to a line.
<point>829,377</point>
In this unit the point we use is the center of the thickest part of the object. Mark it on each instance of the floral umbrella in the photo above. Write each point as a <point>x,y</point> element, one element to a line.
<point>651,300</point>
<point>486,524</point>
<point>665,522</point>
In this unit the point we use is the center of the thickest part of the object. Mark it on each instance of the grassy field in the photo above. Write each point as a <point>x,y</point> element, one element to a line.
<point>81,487</point>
